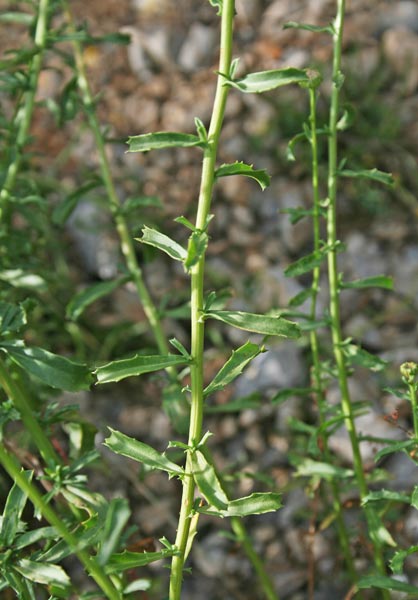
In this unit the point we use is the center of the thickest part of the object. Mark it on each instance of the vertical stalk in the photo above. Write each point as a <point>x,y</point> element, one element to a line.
<point>126,241</point>
<point>316,360</point>
<point>24,114</point>
<point>337,339</point>
<point>89,563</point>
<point>409,371</point>
<point>197,278</point>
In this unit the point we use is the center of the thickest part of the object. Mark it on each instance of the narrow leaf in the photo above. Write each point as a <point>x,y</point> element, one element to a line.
<point>306,263</point>
<point>385,583</point>
<point>347,118</point>
<point>240,168</point>
<point>132,560</point>
<point>131,204</point>
<point>122,444</point>
<point>12,317</point>
<point>403,446</point>
<point>163,139</point>
<point>137,365</point>
<point>373,174</point>
<point>255,504</point>
<point>361,357</point>
<point>15,503</point>
<point>208,482</point>
<point>390,495</point>
<point>44,573</point>
<point>201,130</point>
<point>233,367</point>
<point>83,299</point>
<point>250,401</point>
<point>306,27</point>
<point>265,81</point>
<point>379,281</point>
<point>53,370</point>
<point>22,279</point>
<point>284,395</point>
<point>397,560</point>
<point>196,248</point>
<point>256,323</point>
<point>312,468</point>
<point>301,298</point>
<point>116,518</point>
<point>17,17</point>
<point>163,242</point>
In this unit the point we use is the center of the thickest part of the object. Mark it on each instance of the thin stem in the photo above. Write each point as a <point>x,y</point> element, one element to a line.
<point>316,359</point>
<point>127,245</point>
<point>337,339</point>
<point>24,114</point>
<point>89,563</point>
<point>197,276</point>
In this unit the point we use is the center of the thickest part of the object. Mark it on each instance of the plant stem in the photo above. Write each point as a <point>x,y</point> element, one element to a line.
<point>89,563</point>
<point>24,114</point>
<point>316,359</point>
<point>127,245</point>
<point>337,339</point>
<point>197,276</point>
<point>19,398</point>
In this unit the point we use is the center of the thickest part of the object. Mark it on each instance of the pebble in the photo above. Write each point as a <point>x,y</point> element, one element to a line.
<point>198,48</point>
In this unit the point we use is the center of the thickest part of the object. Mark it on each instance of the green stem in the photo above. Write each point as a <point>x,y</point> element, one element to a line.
<point>126,241</point>
<point>337,339</point>
<point>316,359</point>
<point>89,563</point>
<point>241,533</point>
<point>24,114</point>
<point>19,398</point>
<point>197,275</point>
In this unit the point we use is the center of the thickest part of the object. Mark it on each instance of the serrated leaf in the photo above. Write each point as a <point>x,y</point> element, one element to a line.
<point>256,323</point>
<point>117,516</point>
<point>161,140</point>
<point>287,393</point>
<point>403,446</point>
<point>196,248</point>
<point>359,356</point>
<point>207,481</point>
<point>44,573</point>
<point>265,81</point>
<point>86,297</point>
<point>12,317</point>
<point>126,446</point>
<point>136,365</point>
<point>163,242</point>
<point>312,468</point>
<point>233,367</point>
<point>132,560</point>
<point>385,583</point>
<point>312,28</point>
<point>22,279</point>
<point>15,503</point>
<point>398,559</point>
<point>373,174</point>
<point>53,370</point>
<point>240,168</point>
<point>379,281</point>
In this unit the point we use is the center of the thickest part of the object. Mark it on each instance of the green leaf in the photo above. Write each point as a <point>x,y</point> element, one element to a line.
<point>240,168</point>
<point>163,139</point>
<point>132,204</point>
<point>163,242</point>
<point>290,150</point>
<point>132,560</point>
<point>233,367</point>
<point>250,401</point>
<point>397,560</point>
<point>127,446</point>
<point>217,4</point>
<point>301,298</point>
<point>312,28</point>
<point>414,497</point>
<point>12,317</point>
<point>53,370</point>
<point>47,574</point>
<point>64,209</point>
<point>389,495</point>
<point>373,174</point>
<point>378,532</point>
<point>256,323</point>
<point>17,17</point>
<point>196,248</point>
<point>22,279</point>
<point>136,365</point>
<point>33,537</point>
<point>255,504</point>
<point>265,81</point>
<point>306,263</point>
<point>347,118</point>
<point>15,503</point>
<point>379,281</point>
<point>207,481</point>
<point>287,393</point>
<point>312,468</point>
<point>359,356</point>
<point>116,518</point>
<point>83,299</point>
<point>201,130</point>
<point>385,583</point>
<point>404,446</point>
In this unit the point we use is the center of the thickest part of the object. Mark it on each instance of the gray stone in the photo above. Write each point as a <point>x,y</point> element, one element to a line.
<point>198,48</point>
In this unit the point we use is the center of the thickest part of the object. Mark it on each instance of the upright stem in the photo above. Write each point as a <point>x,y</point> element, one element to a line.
<point>197,277</point>
<point>337,339</point>
<point>24,114</point>
<point>127,245</point>
<point>316,359</point>
<point>89,563</point>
